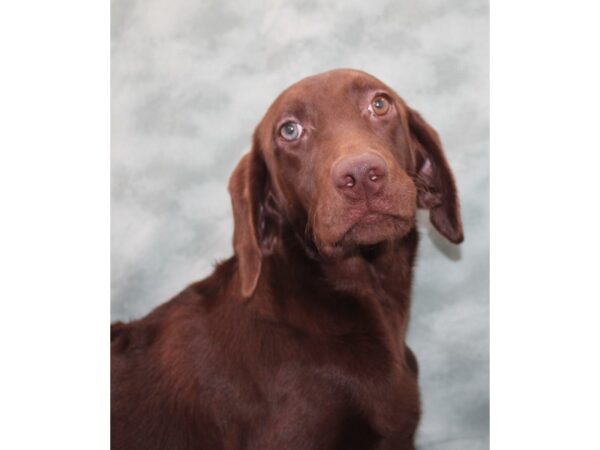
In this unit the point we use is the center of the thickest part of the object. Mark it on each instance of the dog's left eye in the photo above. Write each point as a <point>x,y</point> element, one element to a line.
<point>380,105</point>
<point>290,131</point>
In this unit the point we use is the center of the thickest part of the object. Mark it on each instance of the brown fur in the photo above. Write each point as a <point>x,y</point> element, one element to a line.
<point>298,340</point>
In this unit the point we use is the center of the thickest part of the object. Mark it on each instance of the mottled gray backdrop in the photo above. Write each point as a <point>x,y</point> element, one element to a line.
<point>190,80</point>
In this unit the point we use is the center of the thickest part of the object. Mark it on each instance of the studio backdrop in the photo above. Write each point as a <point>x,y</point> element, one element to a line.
<point>189,82</point>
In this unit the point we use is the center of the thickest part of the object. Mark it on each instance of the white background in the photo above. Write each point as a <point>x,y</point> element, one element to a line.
<point>190,81</point>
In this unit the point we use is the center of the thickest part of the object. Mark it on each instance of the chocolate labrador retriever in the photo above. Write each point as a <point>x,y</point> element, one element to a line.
<point>297,342</point>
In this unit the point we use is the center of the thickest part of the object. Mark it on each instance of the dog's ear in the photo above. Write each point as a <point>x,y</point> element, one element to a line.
<point>247,187</point>
<point>436,190</point>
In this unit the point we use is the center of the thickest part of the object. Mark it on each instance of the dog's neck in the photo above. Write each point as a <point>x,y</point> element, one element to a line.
<point>298,287</point>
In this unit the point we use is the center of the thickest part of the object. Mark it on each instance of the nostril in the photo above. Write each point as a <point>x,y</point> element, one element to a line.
<point>376,171</point>
<point>349,181</point>
<point>373,176</point>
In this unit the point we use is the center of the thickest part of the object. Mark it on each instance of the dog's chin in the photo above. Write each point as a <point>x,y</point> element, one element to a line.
<point>370,230</point>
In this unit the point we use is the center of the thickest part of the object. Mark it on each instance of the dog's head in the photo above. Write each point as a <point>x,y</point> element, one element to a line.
<point>341,158</point>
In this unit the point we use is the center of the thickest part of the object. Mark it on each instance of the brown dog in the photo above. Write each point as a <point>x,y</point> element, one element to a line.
<point>298,341</point>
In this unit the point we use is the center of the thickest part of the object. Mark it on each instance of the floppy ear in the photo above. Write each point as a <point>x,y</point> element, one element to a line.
<point>436,189</point>
<point>246,187</point>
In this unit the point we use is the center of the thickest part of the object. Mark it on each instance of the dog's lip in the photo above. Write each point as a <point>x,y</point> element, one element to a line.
<point>331,249</point>
<point>374,217</point>
<point>369,218</point>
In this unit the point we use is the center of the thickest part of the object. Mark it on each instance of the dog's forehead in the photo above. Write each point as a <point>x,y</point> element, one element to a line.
<point>341,79</point>
<point>319,90</point>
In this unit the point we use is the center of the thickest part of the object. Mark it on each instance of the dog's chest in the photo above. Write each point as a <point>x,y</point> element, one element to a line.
<point>331,407</point>
<point>331,388</point>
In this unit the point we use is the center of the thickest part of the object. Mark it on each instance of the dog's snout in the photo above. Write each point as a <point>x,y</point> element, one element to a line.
<point>360,176</point>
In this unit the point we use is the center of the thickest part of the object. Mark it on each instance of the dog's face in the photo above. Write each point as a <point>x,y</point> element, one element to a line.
<point>343,157</point>
<point>336,146</point>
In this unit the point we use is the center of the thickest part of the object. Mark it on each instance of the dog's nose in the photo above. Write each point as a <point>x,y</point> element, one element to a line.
<point>360,176</point>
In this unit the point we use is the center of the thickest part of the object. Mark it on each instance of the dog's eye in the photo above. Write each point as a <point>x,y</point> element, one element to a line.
<point>291,131</point>
<point>380,105</point>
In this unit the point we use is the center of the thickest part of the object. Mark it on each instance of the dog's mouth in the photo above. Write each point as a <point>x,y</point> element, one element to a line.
<point>374,228</point>
<point>369,231</point>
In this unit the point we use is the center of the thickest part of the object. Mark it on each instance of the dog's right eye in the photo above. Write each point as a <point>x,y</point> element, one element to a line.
<point>290,131</point>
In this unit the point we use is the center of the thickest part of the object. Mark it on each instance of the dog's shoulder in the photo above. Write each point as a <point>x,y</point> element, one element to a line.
<point>184,316</point>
